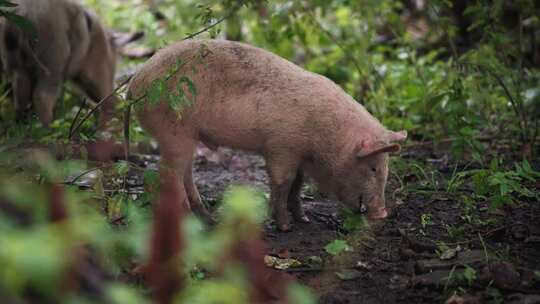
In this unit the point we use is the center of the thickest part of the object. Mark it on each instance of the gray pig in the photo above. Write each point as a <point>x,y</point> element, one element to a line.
<point>251,99</point>
<point>70,43</point>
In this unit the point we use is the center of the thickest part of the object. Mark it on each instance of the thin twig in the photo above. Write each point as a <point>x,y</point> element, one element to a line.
<point>378,78</point>
<point>127,118</point>
<point>97,106</point>
<point>81,107</point>
<point>484,247</point>
<point>447,34</point>
<point>510,97</point>
<point>231,12</point>
<point>85,173</point>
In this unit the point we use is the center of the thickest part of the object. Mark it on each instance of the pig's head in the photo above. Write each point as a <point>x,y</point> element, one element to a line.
<point>363,175</point>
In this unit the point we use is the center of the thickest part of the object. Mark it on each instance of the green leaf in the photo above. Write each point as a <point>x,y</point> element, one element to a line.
<point>469,274</point>
<point>21,22</point>
<point>191,86</point>
<point>116,206</point>
<point>299,294</point>
<point>177,101</point>
<point>158,87</point>
<point>124,294</point>
<point>121,168</point>
<point>354,222</point>
<point>337,246</point>
<point>151,181</point>
<point>349,274</point>
<point>6,3</point>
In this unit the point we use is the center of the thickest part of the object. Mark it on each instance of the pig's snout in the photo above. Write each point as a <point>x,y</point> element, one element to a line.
<point>376,208</point>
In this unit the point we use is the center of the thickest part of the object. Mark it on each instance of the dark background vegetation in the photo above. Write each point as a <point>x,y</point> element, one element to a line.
<point>462,77</point>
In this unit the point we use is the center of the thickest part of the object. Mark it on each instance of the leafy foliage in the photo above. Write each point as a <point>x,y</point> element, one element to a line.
<point>23,23</point>
<point>501,187</point>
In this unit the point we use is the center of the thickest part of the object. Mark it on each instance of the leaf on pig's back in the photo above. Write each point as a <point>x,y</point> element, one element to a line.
<point>158,87</point>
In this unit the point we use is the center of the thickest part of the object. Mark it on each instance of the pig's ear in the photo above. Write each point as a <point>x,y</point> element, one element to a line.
<point>397,136</point>
<point>365,150</point>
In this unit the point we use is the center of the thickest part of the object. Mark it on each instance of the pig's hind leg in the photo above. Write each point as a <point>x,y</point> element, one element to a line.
<point>294,202</point>
<point>172,166</point>
<point>195,200</point>
<point>177,155</point>
<point>282,173</point>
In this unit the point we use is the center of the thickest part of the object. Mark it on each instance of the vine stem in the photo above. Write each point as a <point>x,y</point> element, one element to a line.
<point>94,109</point>
<point>209,27</point>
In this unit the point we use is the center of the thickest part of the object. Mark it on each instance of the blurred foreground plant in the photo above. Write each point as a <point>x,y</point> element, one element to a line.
<point>57,247</point>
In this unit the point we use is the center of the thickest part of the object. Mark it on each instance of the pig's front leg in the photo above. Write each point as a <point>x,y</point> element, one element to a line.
<point>22,91</point>
<point>294,202</point>
<point>96,78</point>
<point>281,172</point>
<point>46,93</point>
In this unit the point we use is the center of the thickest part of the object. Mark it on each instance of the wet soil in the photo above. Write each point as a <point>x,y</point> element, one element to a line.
<point>421,225</point>
<point>425,223</point>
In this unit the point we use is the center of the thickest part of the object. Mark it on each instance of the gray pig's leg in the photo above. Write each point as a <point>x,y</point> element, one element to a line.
<point>46,93</point>
<point>22,91</point>
<point>194,197</point>
<point>97,81</point>
<point>281,172</point>
<point>294,203</point>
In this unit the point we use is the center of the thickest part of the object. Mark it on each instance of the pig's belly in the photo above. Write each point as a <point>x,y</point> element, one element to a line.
<point>232,131</point>
<point>231,122</point>
<point>237,139</point>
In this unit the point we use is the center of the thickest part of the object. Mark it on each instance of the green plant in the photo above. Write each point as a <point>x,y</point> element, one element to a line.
<point>495,295</point>
<point>428,181</point>
<point>337,246</point>
<point>501,187</point>
<point>468,275</point>
<point>353,221</point>
<point>425,220</point>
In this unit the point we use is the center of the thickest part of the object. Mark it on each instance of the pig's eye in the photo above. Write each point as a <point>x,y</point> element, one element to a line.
<point>374,169</point>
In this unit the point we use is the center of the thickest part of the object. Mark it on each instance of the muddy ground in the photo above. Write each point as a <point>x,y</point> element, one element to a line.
<point>397,260</point>
<point>433,248</point>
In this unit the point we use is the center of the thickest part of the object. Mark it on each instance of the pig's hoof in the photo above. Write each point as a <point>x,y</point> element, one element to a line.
<point>379,214</point>
<point>284,227</point>
<point>302,219</point>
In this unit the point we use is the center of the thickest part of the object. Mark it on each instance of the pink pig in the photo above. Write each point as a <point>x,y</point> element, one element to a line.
<point>248,98</point>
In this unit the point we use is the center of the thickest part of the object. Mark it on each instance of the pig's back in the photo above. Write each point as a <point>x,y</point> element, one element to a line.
<point>247,97</point>
<point>234,66</point>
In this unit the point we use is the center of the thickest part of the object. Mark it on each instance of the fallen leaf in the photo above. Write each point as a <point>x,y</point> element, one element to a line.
<point>315,261</point>
<point>281,264</point>
<point>349,274</point>
<point>362,265</point>
<point>449,253</point>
